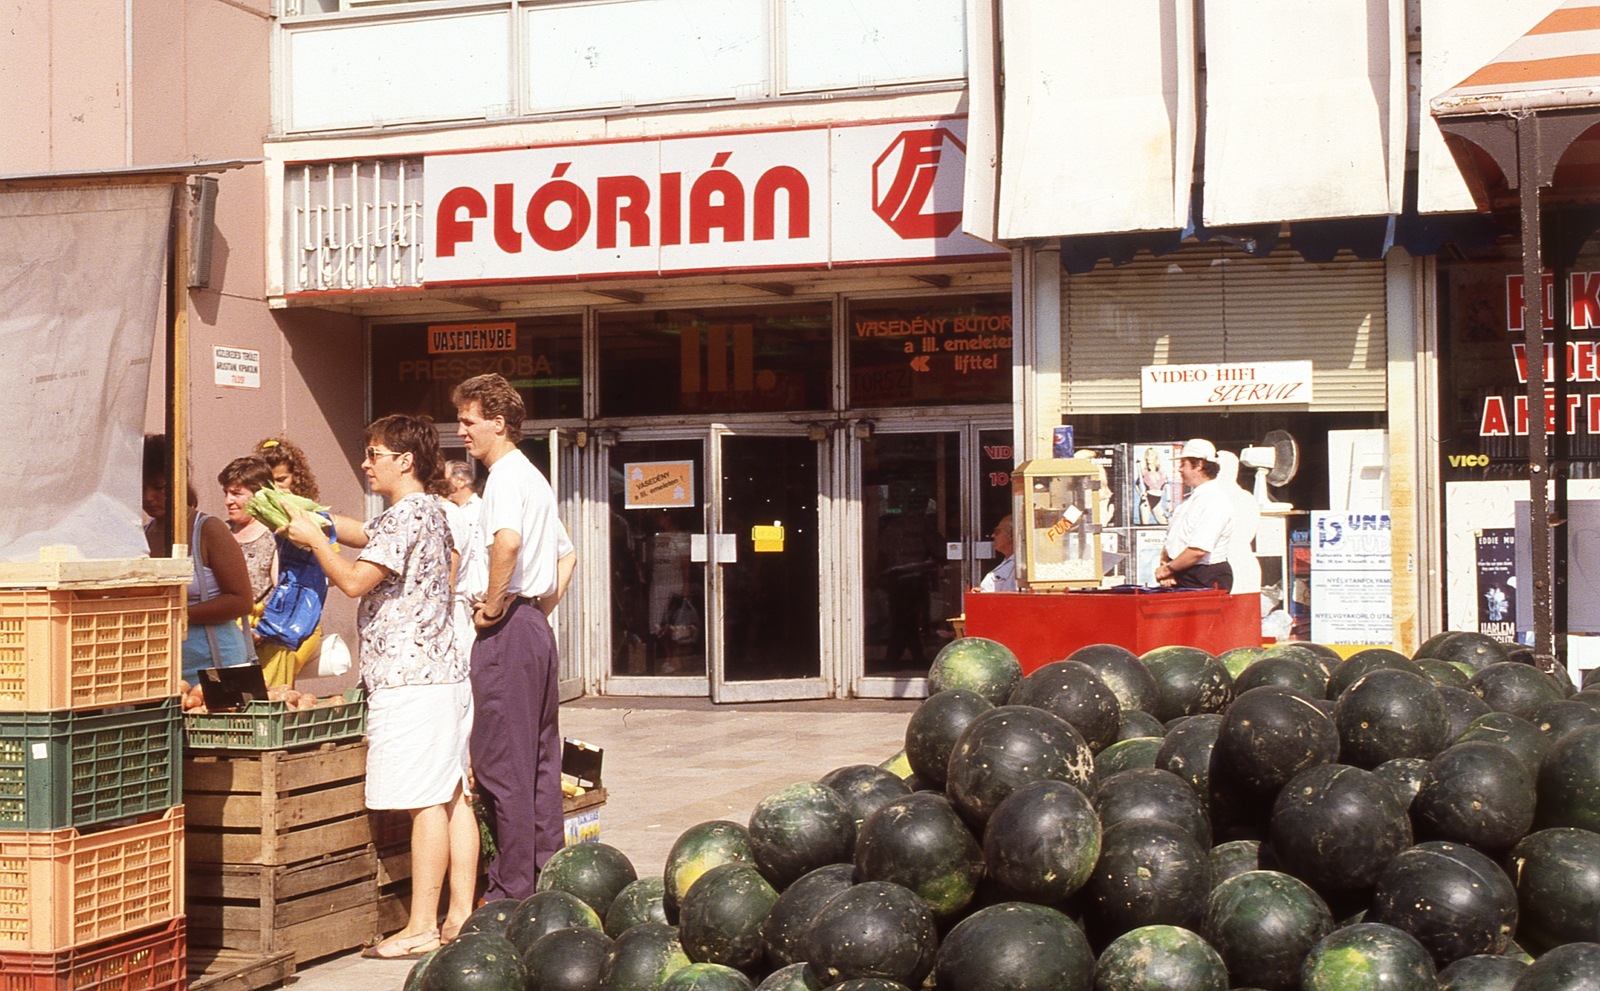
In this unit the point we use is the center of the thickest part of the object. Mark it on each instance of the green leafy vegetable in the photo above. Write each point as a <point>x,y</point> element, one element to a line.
<point>267,505</point>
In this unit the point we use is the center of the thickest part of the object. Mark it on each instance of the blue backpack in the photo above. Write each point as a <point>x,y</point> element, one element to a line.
<point>294,609</point>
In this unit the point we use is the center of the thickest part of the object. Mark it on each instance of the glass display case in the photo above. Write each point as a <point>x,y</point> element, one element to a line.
<point>1058,511</point>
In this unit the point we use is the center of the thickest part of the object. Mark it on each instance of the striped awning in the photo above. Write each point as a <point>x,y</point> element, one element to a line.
<point>1555,65</point>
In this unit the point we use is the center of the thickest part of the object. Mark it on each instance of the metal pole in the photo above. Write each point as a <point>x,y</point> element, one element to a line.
<point>1533,343</point>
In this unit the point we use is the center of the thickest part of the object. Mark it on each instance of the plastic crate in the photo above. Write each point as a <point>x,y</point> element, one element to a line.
<point>149,960</point>
<point>61,769</point>
<point>65,889</point>
<point>274,726</point>
<point>88,649</point>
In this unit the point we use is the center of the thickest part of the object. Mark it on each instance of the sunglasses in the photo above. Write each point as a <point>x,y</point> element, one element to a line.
<point>374,454</point>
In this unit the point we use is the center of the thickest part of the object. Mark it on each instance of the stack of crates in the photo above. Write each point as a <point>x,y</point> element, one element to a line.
<point>91,825</point>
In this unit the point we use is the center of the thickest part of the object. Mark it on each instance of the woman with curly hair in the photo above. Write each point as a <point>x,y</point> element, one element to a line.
<point>290,469</point>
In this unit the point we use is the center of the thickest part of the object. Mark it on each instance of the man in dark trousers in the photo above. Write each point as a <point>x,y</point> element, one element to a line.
<point>515,576</point>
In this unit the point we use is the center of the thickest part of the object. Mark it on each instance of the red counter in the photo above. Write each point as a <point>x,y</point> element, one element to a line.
<point>1042,627</point>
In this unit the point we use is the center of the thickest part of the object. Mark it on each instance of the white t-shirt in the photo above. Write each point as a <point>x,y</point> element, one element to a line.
<point>1203,520</point>
<point>1003,578</point>
<point>517,497</point>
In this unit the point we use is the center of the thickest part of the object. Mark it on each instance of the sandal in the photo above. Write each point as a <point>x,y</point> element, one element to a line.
<point>407,948</point>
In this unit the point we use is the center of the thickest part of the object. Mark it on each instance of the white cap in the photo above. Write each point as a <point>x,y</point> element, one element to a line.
<point>1200,448</point>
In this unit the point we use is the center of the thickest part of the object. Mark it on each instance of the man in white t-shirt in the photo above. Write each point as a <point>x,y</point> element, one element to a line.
<point>1004,576</point>
<point>1195,554</point>
<point>514,575</point>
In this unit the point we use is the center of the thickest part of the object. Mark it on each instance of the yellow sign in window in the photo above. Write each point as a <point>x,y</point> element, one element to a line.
<point>768,539</point>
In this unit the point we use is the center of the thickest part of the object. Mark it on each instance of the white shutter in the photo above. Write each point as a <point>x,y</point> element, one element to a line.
<point>1208,303</point>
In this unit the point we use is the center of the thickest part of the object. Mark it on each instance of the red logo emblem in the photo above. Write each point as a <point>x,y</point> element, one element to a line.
<point>905,205</point>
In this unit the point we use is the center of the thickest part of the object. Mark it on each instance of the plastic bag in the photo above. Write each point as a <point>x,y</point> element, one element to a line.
<point>683,621</point>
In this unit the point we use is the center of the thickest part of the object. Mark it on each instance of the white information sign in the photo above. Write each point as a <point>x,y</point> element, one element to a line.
<point>1245,383</point>
<point>791,198</point>
<point>1350,578</point>
<point>237,367</point>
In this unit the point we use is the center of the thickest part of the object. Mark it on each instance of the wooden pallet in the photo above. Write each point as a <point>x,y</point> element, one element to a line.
<point>278,807</point>
<point>314,908</point>
<point>236,970</point>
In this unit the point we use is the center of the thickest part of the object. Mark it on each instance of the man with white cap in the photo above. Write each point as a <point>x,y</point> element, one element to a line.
<point>1195,554</point>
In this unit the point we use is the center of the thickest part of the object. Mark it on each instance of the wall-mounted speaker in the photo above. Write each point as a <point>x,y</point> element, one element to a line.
<point>202,229</point>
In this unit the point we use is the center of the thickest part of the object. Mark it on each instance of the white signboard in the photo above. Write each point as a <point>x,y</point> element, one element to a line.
<point>237,367</point>
<point>793,198</point>
<point>1249,383</point>
<point>1350,578</point>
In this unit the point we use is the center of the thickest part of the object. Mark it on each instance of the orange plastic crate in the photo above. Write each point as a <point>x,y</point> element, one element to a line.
<point>149,960</point>
<point>64,888</point>
<point>86,649</point>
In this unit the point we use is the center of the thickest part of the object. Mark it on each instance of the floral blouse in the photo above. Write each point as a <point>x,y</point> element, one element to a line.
<point>406,632</point>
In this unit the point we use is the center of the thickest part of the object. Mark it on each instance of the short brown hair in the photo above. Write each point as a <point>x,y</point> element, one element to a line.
<point>281,452</point>
<point>416,436</point>
<point>248,472</point>
<point>495,397</point>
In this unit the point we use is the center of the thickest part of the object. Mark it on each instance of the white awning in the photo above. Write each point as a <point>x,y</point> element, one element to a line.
<point>1305,109</point>
<point>1099,117</point>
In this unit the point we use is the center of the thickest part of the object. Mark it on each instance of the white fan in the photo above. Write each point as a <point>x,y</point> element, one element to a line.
<point>1276,461</point>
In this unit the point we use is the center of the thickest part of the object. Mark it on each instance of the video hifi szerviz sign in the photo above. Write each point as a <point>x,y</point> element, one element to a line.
<point>797,198</point>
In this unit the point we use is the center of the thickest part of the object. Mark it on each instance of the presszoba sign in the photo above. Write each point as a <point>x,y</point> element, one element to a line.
<point>797,198</point>
<point>1259,383</point>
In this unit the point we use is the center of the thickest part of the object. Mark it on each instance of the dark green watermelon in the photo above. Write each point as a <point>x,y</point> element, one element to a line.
<point>722,914</point>
<point>1428,645</point>
<point>1263,924</point>
<point>707,977</point>
<point>1405,775</point>
<point>1556,719</point>
<point>1517,735</point>
<point>641,901</point>
<point>1461,707</point>
<point>1150,793</point>
<point>1150,873</point>
<point>1186,752</point>
<point>1515,688</point>
<point>1363,662</point>
<point>1479,794</point>
<point>794,977</point>
<point>932,731</point>
<point>1042,841</point>
<point>1387,714</point>
<point>790,919</point>
<point>1160,958</point>
<point>1237,857</point>
<point>1304,677</point>
<point>1368,957</point>
<point>1337,827</point>
<point>1442,673</point>
<point>920,843</point>
<point>544,912</point>
<point>864,789</point>
<point>1239,659</point>
<point>492,918</point>
<point>1481,973</point>
<point>642,959</point>
<point>567,960</point>
<point>1128,754</point>
<point>414,976</point>
<point>478,961</point>
<point>1325,655</point>
<point>871,984</point>
<point>1271,734</point>
<point>1476,650</point>
<point>594,872</point>
<point>977,665</point>
<point>698,849</point>
<point>798,829</point>
<point>1192,682</point>
<point>1574,967</point>
<point>1015,947</point>
<point>1134,724</point>
<point>874,929</point>
<point>1122,671</point>
<point>1454,900</point>
<point>1569,782</point>
<point>1008,747</point>
<point>1589,696</point>
<point>1557,874</point>
<point>1074,692</point>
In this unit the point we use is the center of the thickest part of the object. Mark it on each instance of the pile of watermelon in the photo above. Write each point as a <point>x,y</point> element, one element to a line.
<point>1271,819</point>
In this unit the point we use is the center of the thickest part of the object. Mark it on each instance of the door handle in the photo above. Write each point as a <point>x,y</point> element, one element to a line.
<point>697,548</point>
<point>727,548</point>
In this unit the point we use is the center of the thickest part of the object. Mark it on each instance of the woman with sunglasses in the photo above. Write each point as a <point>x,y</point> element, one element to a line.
<point>419,701</point>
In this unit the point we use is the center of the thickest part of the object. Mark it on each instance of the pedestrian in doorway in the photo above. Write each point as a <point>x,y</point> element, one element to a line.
<point>461,507</point>
<point>1195,554</point>
<point>1004,576</point>
<point>518,571</point>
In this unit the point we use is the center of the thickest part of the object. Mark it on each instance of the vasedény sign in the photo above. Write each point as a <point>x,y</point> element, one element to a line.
<point>1250,383</point>
<point>793,198</point>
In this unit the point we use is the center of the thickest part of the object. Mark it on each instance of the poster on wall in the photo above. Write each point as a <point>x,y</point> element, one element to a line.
<point>1497,583</point>
<point>1157,489</point>
<point>1350,578</point>
<point>659,484</point>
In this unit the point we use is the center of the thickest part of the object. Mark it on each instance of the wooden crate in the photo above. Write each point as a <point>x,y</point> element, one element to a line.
<point>236,970</point>
<point>276,808</point>
<point>314,908</point>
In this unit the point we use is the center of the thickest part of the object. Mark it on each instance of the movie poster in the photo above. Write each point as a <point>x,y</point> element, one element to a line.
<point>1497,591</point>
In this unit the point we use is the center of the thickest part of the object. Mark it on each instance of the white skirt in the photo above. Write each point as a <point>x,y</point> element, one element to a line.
<point>417,739</point>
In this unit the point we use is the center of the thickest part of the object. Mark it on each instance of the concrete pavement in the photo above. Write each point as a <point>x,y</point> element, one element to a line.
<point>672,763</point>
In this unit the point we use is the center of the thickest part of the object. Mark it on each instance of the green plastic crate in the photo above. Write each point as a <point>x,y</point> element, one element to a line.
<point>273,726</point>
<point>74,769</point>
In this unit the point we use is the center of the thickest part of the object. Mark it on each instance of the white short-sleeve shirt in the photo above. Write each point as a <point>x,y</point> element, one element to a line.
<point>1203,520</point>
<point>518,497</point>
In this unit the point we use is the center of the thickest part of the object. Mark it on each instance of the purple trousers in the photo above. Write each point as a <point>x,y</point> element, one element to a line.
<point>516,746</point>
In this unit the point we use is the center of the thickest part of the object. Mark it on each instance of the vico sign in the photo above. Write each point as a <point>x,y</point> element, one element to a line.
<point>795,198</point>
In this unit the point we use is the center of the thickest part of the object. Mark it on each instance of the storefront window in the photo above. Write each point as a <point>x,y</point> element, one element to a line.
<point>668,362</point>
<point>416,365</point>
<point>934,351</point>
